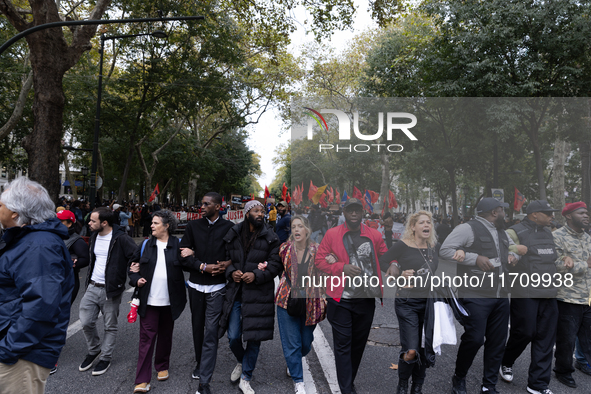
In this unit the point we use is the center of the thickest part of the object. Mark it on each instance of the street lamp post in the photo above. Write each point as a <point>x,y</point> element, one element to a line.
<point>97,121</point>
<point>84,173</point>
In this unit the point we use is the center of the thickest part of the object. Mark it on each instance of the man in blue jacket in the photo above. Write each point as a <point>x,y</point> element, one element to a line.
<point>36,282</point>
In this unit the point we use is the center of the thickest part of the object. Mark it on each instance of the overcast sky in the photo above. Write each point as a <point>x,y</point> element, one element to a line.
<point>265,136</point>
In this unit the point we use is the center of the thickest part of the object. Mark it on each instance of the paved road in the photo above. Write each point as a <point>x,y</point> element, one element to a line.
<point>375,375</point>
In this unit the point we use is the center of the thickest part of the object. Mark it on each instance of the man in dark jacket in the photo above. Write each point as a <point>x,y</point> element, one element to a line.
<point>283,226</point>
<point>36,282</point>
<point>248,311</point>
<point>486,246</point>
<point>111,251</point>
<point>203,253</point>
<point>534,309</point>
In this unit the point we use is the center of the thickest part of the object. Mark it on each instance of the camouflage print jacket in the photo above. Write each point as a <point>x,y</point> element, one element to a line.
<point>578,247</point>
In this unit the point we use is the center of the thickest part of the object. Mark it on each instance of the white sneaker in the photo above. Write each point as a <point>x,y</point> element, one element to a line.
<point>245,386</point>
<point>506,373</point>
<point>532,391</point>
<point>300,388</point>
<point>235,376</point>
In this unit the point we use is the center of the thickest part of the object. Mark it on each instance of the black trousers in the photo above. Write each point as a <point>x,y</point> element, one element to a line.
<point>411,317</point>
<point>206,310</point>
<point>351,323</point>
<point>533,321</point>
<point>573,320</point>
<point>489,318</point>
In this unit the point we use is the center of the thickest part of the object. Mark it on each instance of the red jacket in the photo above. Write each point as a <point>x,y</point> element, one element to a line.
<point>333,243</point>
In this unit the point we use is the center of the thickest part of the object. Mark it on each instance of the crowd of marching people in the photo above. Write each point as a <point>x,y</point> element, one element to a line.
<point>531,275</point>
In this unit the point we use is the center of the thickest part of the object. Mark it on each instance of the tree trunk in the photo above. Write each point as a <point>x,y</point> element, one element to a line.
<point>385,186</point>
<point>192,191</point>
<point>454,198</point>
<point>585,151</point>
<point>43,145</point>
<point>561,151</point>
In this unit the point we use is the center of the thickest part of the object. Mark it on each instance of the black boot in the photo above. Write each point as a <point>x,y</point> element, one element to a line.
<point>416,388</point>
<point>402,387</point>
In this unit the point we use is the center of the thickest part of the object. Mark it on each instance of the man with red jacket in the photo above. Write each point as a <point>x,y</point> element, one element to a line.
<point>351,290</point>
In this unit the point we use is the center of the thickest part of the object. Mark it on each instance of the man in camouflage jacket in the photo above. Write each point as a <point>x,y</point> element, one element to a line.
<point>573,246</point>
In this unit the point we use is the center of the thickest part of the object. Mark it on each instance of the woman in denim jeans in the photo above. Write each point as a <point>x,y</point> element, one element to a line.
<point>298,255</point>
<point>416,258</point>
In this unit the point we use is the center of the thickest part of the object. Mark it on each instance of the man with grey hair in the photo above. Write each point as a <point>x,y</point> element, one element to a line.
<point>36,282</point>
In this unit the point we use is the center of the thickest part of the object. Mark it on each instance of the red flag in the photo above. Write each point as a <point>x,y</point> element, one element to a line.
<point>288,199</point>
<point>252,196</point>
<point>311,191</point>
<point>266,192</point>
<point>283,192</point>
<point>519,200</point>
<point>323,198</point>
<point>331,195</point>
<point>337,198</point>
<point>392,200</point>
<point>374,196</point>
<point>357,193</point>
<point>154,194</point>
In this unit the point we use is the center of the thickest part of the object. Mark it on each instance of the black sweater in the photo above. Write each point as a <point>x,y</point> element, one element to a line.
<point>208,243</point>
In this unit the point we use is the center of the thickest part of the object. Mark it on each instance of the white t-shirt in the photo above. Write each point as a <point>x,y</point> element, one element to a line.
<point>101,251</point>
<point>159,289</point>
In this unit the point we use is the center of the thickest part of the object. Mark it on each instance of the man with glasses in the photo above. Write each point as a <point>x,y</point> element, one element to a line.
<point>534,311</point>
<point>486,246</point>
<point>203,252</point>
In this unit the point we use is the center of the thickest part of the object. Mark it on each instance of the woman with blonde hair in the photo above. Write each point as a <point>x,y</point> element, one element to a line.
<point>296,327</point>
<point>415,258</point>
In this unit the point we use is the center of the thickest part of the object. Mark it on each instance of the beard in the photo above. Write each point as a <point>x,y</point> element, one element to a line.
<point>352,224</point>
<point>499,222</point>
<point>256,223</point>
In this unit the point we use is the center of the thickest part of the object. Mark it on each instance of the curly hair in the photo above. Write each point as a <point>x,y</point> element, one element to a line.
<point>410,223</point>
<point>167,217</point>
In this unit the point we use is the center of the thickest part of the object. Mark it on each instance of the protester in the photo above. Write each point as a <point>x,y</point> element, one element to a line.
<point>416,255</point>
<point>573,246</point>
<point>273,216</point>
<point>534,311</point>
<point>111,251</point>
<point>486,247</point>
<point>248,311</point>
<point>443,230</point>
<point>203,253</point>
<point>297,332</point>
<point>36,283</point>
<point>350,309</point>
<point>157,274</point>
<point>283,225</point>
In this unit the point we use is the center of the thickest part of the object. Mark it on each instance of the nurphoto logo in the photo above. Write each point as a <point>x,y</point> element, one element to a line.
<point>392,124</point>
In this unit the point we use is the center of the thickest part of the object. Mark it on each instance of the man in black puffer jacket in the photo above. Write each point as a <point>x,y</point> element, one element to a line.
<point>248,310</point>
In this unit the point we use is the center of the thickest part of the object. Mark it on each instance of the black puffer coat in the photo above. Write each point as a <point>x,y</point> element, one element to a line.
<point>258,308</point>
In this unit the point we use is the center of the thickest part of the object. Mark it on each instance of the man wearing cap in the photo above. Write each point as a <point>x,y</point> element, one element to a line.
<point>534,310</point>
<point>248,312</point>
<point>283,226</point>
<point>573,247</point>
<point>485,244</point>
<point>350,309</point>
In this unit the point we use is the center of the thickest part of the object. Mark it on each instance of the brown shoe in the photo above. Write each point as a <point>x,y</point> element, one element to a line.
<point>142,388</point>
<point>163,375</point>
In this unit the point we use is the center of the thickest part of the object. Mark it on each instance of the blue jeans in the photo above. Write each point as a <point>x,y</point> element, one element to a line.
<point>296,340</point>
<point>247,357</point>
<point>579,353</point>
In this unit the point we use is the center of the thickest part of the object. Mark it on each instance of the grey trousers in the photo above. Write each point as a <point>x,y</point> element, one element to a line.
<point>95,301</point>
<point>206,310</point>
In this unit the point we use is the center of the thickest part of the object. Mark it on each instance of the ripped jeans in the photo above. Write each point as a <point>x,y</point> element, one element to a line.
<point>411,316</point>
